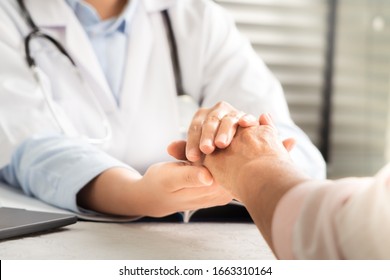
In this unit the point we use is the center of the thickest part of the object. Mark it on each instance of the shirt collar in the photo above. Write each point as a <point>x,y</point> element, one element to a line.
<point>91,21</point>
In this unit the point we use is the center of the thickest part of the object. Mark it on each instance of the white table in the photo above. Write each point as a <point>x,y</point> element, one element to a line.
<point>142,241</point>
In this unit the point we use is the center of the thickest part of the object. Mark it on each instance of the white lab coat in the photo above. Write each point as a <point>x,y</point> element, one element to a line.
<point>216,64</point>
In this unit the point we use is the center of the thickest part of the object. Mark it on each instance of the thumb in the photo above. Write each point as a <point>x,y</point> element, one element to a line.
<point>190,176</point>
<point>177,149</point>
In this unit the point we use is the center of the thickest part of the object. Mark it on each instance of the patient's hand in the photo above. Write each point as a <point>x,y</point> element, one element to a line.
<point>256,168</point>
<point>256,147</point>
<point>252,146</point>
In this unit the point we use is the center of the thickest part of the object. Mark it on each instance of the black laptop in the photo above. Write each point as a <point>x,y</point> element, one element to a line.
<point>15,222</point>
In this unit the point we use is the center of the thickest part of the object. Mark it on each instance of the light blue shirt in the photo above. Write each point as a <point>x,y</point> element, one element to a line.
<point>109,39</point>
<point>53,167</point>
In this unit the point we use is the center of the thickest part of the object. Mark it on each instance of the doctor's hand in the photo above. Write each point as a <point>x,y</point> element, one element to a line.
<point>167,188</point>
<point>213,128</point>
<point>164,189</point>
<point>178,149</point>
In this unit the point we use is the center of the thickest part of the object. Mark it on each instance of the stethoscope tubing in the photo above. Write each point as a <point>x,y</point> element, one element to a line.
<point>37,33</point>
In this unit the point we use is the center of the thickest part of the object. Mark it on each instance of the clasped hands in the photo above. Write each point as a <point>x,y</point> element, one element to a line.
<point>222,143</point>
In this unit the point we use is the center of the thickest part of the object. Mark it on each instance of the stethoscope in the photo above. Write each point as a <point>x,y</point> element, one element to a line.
<point>187,104</point>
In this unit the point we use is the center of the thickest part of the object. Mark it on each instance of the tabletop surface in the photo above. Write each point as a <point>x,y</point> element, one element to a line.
<point>141,241</point>
<point>89,240</point>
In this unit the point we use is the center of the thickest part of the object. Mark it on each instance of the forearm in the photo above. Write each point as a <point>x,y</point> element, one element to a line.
<point>113,192</point>
<point>262,195</point>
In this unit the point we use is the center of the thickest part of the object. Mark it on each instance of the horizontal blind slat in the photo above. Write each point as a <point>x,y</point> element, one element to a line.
<point>289,37</point>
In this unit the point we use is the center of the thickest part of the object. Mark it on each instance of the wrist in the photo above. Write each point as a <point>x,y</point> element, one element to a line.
<point>267,179</point>
<point>262,183</point>
<point>111,192</point>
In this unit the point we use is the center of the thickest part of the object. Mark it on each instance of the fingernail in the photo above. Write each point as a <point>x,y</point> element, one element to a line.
<point>222,139</point>
<point>207,146</point>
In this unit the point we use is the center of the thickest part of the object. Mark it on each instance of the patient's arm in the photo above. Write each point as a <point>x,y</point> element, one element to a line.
<point>256,168</point>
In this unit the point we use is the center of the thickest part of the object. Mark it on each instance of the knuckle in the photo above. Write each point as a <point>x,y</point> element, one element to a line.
<point>247,135</point>
<point>233,114</point>
<point>232,117</point>
<point>220,104</point>
<point>212,119</point>
<point>268,130</point>
<point>195,127</point>
<point>223,104</point>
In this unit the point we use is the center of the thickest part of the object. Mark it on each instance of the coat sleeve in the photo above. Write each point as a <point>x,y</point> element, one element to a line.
<point>54,168</point>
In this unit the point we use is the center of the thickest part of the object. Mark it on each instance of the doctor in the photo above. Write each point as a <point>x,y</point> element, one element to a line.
<point>89,102</point>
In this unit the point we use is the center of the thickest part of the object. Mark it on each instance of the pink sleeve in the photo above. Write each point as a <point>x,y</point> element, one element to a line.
<point>303,223</point>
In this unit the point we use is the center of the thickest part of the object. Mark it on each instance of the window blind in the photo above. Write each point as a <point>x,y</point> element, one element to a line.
<point>361,88</point>
<point>290,36</point>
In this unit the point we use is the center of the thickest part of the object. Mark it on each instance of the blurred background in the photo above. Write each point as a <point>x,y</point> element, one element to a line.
<point>332,58</point>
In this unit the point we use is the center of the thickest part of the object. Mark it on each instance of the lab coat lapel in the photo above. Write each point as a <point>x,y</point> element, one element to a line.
<point>55,16</point>
<point>139,52</point>
<point>138,57</point>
